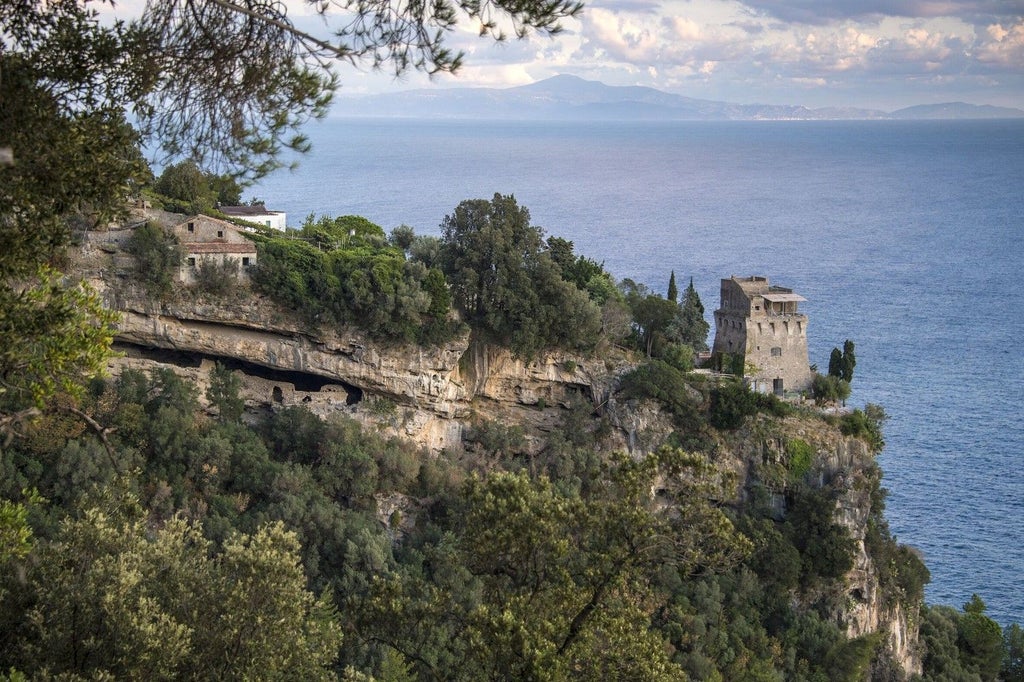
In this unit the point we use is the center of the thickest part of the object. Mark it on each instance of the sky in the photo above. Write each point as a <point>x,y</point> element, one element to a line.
<point>877,54</point>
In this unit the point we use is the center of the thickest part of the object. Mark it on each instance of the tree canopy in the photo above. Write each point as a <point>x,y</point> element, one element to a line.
<point>72,154</point>
<point>342,271</point>
<point>842,362</point>
<point>690,326</point>
<point>660,325</point>
<point>505,282</point>
<point>111,598</point>
<point>486,563</point>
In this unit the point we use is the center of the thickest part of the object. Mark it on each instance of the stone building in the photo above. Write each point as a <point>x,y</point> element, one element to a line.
<point>760,325</point>
<point>208,239</point>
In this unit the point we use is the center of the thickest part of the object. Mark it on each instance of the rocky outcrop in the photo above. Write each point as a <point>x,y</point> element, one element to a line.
<point>427,378</point>
<point>845,465</point>
<point>426,394</point>
<point>757,455</point>
<point>431,396</point>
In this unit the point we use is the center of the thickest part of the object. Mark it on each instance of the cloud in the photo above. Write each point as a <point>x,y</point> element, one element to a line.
<point>737,51</point>
<point>622,36</point>
<point>497,76</point>
<point>1003,46</point>
<point>632,6</point>
<point>685,29</point>
<point>754,50</point>
<point>821,12</point>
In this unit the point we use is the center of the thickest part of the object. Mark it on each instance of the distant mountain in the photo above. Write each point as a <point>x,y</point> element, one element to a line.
<point>956,110</point>
<point>571,98</point>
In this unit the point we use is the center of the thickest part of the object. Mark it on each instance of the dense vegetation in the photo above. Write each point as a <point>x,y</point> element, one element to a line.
<point>184,188</point>
<point>342,271</point>
<point>479,564</point>
<point>490,270</point>
<point>506,284</point>
<point>141,537</point>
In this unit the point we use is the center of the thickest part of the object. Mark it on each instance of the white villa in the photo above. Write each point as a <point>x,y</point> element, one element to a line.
<point>257,213</point>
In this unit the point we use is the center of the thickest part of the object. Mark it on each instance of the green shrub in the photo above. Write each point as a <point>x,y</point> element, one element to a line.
<point>731,402</point>
<point>382,407</point>
<point>217,279</point>
<point>829,389</point>
<point>157,255</point>
<point>358,280</point>
<point>679,355</point>
<point>660,381</point>
<point>826,548</point>
<point>866,424</point>
<point>800,456</point>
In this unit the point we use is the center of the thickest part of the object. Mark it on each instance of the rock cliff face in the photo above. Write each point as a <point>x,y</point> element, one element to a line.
<point>431,395</point>
<point>428,395</point>
<point>756,456</point>
<point>845,466</point>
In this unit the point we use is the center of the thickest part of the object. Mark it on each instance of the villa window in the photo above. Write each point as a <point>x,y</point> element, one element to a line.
<point>777,352</point>
<point>245,261</point>
<point>220,234</point>
<point>191,227</point>
<point>191,262</point>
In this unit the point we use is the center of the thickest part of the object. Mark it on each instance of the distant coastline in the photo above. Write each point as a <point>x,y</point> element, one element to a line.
<point>569,98</point>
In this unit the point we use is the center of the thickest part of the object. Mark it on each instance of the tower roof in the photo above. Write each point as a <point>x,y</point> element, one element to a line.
<point>783,297</point>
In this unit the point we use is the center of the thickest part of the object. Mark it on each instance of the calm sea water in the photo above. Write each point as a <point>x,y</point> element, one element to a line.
<point>904,237</point>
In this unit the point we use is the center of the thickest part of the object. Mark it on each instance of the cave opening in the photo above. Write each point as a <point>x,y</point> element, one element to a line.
<point>302,381</point>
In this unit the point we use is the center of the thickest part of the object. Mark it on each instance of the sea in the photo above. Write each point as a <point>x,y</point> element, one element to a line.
<point>904,236</point>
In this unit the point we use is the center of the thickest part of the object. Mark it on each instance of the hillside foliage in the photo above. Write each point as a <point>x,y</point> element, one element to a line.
<point>563,565</point>
<point>339,271</point>
<point>142,537</point>
<point>490,270</point>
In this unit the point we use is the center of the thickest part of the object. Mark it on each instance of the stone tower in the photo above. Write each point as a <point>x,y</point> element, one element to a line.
<point>761,324</point>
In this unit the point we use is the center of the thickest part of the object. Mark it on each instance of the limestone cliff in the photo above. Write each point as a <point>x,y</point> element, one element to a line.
<point>428,395</point>
<point>757,457</point>
<point>431,396</point>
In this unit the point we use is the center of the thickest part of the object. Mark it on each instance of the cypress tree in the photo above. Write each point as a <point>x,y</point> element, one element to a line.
<point>693,328</point>
<point>673,292</point>
<point>849,361</point>
<point>835,364</point>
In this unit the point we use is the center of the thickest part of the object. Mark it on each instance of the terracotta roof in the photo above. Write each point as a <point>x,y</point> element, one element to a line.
<point>219,247</point>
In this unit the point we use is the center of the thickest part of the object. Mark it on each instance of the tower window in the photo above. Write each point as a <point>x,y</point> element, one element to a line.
<point>777,352</point>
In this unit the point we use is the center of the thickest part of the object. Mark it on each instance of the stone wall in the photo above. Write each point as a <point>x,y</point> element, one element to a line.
<point>773,345</point>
